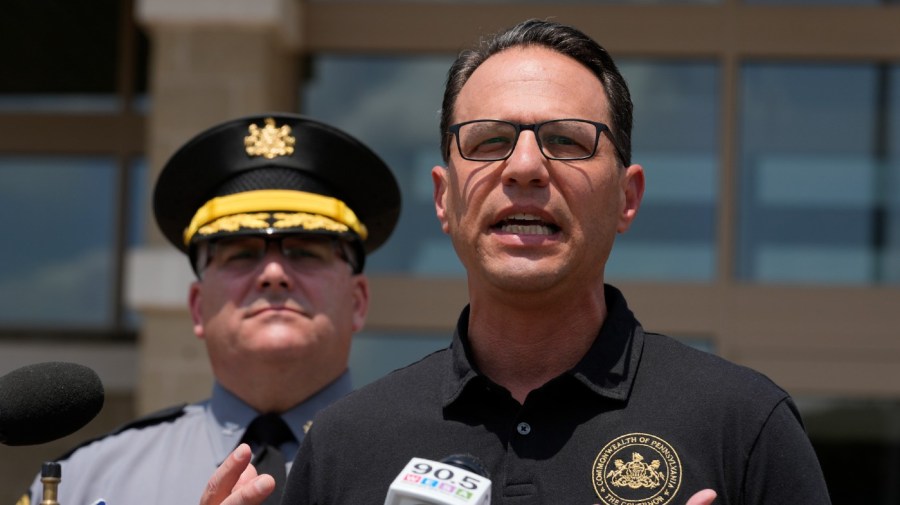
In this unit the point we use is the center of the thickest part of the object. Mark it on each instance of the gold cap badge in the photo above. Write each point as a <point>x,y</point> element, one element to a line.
<point>270,141</point>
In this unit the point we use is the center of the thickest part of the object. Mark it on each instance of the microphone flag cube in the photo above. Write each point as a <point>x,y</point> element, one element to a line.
<point>426,482</point>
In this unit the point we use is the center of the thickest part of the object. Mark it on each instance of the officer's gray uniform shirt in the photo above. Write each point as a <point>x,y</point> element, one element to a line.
<point>170,460</point>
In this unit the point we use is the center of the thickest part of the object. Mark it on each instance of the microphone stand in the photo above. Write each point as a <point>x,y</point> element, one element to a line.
<point>50,476</point>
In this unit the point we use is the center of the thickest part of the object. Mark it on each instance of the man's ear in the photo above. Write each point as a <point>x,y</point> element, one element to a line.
<point>633,192</point>
<point>439,178</point>
<point>195,298</point>
<point>360,301</point>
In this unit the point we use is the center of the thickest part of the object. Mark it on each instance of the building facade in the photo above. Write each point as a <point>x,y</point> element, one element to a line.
<point>770,232</point>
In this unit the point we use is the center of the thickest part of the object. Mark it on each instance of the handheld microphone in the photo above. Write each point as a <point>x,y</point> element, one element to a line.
<point>46,401</point>
<point>455,480</point>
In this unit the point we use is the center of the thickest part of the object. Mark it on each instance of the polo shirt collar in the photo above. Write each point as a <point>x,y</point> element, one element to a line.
<point>607,369</point>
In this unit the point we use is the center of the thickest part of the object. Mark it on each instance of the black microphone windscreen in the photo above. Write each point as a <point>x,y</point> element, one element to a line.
<point>47,401</point>
<point>467,462</point>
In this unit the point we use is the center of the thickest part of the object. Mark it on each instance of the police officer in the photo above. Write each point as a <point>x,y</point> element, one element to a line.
<point>277,214</point>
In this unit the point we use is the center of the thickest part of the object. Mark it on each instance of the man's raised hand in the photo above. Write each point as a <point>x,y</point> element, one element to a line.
<point>235,482</point>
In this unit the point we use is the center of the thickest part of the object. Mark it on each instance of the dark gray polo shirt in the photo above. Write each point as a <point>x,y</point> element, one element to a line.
<point>642,419</point>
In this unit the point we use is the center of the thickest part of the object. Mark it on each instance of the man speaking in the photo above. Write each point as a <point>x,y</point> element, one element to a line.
<point>550,379</point>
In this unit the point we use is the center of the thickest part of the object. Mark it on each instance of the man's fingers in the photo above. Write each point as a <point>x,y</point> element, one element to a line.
<point>227,476</point>
<point>705,497</point>
<point>247,475</point>
<point>235,482</point>
<point>252,492</point>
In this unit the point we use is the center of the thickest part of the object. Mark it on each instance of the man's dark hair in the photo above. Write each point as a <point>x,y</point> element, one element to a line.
<point>562,39</point>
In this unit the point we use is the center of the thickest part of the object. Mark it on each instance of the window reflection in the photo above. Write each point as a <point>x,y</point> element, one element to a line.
<point>676,141</point>
<point>392,104</point>
<point>814,174</point>
<point>890,188</point>
<point>137,202</point>
<point>59,216</point>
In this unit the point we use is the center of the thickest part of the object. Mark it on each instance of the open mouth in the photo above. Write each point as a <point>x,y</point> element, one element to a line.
<point>525,224</point>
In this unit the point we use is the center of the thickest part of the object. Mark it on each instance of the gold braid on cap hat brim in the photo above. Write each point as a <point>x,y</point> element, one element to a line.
<point>268,200</point>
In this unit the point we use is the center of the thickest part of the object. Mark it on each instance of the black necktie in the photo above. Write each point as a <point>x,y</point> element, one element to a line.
<point>264,435</point>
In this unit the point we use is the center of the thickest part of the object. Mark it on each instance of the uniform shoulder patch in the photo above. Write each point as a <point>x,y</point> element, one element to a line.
<point>165,415</point>
<point>637,469</point>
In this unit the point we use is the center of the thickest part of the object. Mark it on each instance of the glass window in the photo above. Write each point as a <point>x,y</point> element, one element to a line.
<point>57,266</point>
<point>376,354</point>
<point>69,57</point>
<point>813,172</point>
<point>890,188</point>
<point>675,139</point>
<point>393,104</point>
<point>137,205</point>
<point>137,202</point>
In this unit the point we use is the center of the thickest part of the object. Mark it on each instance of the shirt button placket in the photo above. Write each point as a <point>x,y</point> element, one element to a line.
<point>520,468</point>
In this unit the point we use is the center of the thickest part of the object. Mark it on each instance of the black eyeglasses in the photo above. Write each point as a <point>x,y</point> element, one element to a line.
<point>558,139</point>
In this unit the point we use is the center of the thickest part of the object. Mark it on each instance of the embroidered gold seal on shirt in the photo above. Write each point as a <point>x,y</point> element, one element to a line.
<point>269,141</point>
<point>637,469</point>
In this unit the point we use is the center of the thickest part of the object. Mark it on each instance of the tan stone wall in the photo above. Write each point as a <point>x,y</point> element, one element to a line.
<point>173,363</point>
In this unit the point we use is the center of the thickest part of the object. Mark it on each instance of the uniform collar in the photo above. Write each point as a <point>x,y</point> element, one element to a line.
<point>229,416</point>
<point>607,369</point>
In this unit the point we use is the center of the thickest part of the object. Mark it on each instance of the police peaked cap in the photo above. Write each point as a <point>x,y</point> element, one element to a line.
<point>275,174</point>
